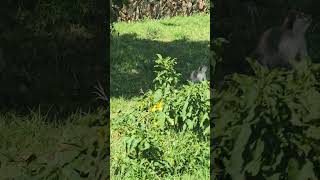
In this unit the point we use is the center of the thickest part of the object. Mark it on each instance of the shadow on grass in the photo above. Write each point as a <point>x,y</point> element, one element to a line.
<point>133,60</point>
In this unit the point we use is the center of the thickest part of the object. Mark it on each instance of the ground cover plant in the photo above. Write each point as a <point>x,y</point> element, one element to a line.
<point>159,120</point>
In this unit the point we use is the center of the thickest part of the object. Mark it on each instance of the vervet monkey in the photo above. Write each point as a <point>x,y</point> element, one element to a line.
<point>199,74</point>
<point>280,46</point>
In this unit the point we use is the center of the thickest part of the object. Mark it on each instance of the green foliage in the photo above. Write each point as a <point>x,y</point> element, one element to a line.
<point>266,126</point>
<point>145,145</point>
<point>209,5</point>
<point>167,130</point>
<point>70,155</point>
<point>166,76</point>
<point>218,50</point>
<point>185,108</point>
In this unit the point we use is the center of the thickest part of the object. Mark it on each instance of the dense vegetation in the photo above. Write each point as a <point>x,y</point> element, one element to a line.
<point>159,120</point>
<point>168,129</point>
<point>266,126</point>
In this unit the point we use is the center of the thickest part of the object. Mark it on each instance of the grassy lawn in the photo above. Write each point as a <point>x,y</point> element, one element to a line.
<point>133,51</point>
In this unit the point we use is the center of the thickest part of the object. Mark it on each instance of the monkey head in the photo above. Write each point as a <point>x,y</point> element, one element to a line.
<point>203,69</point>
<point>297,21</point>
<point>302,23</point>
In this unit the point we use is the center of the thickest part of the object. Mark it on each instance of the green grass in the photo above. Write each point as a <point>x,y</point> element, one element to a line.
<point>134,47</point>
<point>193,28</point>
<point>134,50</point>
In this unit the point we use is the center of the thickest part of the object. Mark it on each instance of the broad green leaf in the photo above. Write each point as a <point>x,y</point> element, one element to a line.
<point>278,160</point>
<point>190,124</point>
<point>157,96</point>
<point>171,121</point>
<point>184,109</point>
<point>313,132</point>
<point>161,119</point>
<point>306,172</point>
<point>253,167</point>
<point>236,161</point>
<point>293,169</point>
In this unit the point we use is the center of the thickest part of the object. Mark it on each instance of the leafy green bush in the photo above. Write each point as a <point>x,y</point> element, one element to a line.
<point>168,130</point>
<point>267,125</point>
<point>183,108</point>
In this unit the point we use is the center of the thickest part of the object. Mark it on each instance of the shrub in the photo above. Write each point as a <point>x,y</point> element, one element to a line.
<point>168,130</point>
<point>266,126</point>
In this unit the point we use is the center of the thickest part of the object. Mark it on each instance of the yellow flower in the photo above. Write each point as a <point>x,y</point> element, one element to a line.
<point>157,107</point>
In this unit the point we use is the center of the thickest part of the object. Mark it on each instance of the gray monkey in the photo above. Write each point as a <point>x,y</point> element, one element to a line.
<point>199,74</point>
<point>280,46</point>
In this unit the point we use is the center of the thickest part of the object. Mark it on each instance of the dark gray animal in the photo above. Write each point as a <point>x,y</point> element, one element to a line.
<point>199,74</point>
<point>280,46</point>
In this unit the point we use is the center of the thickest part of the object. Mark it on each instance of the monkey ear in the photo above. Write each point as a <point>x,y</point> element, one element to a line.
<point>204,68</point>
<point>289,20</point>
<point>286,23</point>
